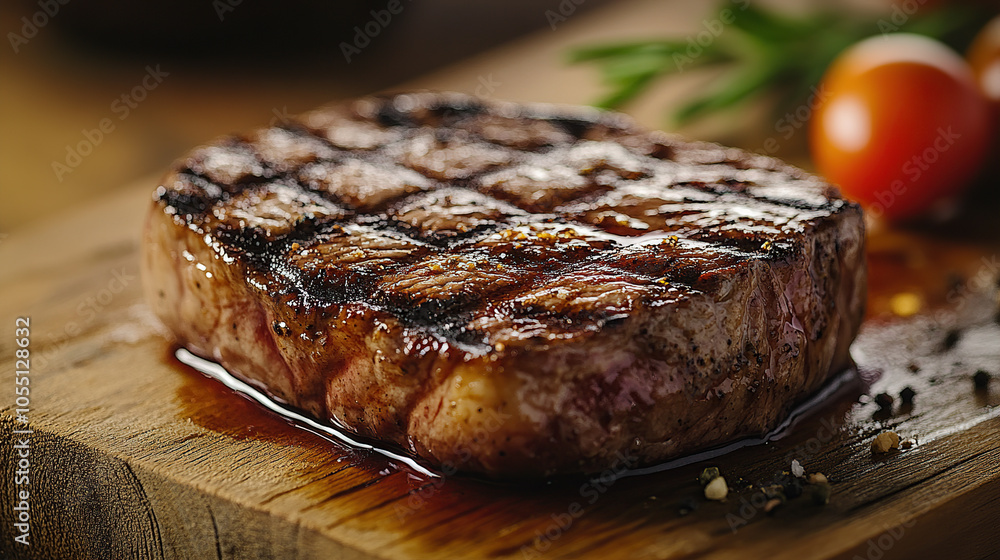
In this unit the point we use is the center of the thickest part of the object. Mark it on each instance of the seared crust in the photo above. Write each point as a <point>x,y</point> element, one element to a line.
<point>508,289</point>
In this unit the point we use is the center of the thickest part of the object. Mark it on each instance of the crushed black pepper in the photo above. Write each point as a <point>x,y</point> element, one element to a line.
<point>951,339</point>
<point>791,486</point>
<point>884,401</point>
<point>981,379</point>
<point>906,400</point>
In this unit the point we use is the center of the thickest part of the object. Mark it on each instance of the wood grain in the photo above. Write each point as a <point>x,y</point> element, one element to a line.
<point>136,456</point>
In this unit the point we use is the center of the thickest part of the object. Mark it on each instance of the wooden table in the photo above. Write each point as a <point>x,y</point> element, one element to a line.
<point>134,455</point>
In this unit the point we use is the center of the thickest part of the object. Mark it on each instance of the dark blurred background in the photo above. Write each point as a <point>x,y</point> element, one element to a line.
<point>212,67</point>
<point>230,65</point>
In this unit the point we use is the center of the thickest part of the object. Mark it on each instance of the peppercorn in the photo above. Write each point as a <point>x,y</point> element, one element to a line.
<point>981,380</point>
<point>951,339</point>
<point>884,401</point>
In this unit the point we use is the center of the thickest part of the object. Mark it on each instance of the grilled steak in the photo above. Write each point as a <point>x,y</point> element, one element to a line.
<point>508,289</point>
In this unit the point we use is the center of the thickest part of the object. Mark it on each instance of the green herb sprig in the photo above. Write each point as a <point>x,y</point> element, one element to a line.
<point>763,52</point>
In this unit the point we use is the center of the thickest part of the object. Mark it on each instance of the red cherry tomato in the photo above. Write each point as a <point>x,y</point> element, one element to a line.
<point>984,56</point>
<point>901,124</point>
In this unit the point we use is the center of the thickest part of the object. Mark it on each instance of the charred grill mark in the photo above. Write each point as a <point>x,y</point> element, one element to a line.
<point>576,126</point>
<point>516,132</point>
<point>388,115</point>
<point>448,112</point>
<point>189,195</point>
<point>230,164</point>
<point>445,238</point>
<point>430,208</point>
<point>286,148</point>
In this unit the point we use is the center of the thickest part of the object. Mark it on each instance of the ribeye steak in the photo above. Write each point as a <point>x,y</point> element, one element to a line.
<point>507,289</point>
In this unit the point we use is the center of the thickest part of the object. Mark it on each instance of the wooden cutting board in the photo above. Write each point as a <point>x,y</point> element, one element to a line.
<point>134,455</point>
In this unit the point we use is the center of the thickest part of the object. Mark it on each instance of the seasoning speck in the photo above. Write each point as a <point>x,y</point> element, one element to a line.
<point>951,339</point>
<point>885,441</point>
<point>791,487</point>
<point>717,489</point>
<point>884,401</point>
<point>981,379</point>
<point>906,395</point>
<point>797,469</point>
